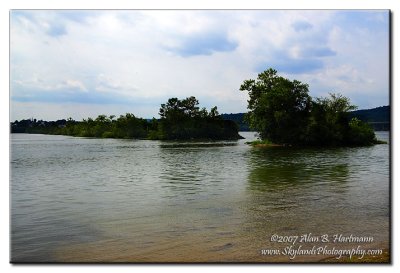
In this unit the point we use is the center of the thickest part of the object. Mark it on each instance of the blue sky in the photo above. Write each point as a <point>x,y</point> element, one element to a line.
<point>85,63</point>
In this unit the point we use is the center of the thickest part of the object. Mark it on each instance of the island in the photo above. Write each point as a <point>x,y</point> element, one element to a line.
<point>284,114</point>
<point>179,120</point>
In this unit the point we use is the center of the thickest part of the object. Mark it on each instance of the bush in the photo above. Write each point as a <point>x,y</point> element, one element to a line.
<point>360,133</point>
<point>107,135</point>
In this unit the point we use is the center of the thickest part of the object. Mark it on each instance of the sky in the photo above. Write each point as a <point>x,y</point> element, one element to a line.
<point>83,63</point>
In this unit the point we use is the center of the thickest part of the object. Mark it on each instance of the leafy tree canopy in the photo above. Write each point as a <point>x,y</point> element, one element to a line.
<point>283,112</point>
<point>183,119</point>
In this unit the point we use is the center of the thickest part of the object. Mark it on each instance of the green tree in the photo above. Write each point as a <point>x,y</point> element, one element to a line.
<point>129,126</point>
<point>183,119</point>
<point>278,107</point>
<point>328,123</point>
<point>282,112</point>
<point>360,133</point>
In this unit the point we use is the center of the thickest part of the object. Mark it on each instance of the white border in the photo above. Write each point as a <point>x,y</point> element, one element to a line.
<point>6,5</point>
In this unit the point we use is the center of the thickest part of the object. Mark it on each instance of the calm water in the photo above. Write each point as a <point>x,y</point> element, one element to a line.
<point>80,199</point>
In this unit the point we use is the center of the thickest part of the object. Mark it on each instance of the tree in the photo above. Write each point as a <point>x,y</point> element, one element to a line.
<point>328,123</point>
<point>183,119</point>
<point>176,108</point>
<point>278,107</point>
<point>360,133</point>
<point>282,112</point>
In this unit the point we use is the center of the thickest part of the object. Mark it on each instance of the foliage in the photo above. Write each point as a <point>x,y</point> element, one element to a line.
<point>327,122</point>
<point>277,107</point>
<point>126,126</point>
<point>183,119</point>
<point>360,133</point>
<point>378,118</point>
<point>283,113</point>
<point>180,119</point>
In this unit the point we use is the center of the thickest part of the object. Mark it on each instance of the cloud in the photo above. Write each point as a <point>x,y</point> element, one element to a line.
<point>78,16</point>
<point>293,66</point>
<point>297,60</point>
<point>40,21</point>
<point>301,26</point>
<point>56,30</point>
<point>75,84</point>
<point>70,96</point>
<point>203,44</point>
<point>318,52</point>
<point>107,84</point>
<point>132,57</point>
<point>39,84</point>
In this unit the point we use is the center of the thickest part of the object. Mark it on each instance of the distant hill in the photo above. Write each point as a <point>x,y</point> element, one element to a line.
<point>238,119</point>
<point>378,114</point>
<point>378,117</point>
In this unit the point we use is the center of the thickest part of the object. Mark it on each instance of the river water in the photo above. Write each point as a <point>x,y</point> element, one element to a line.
<point>110,200</point>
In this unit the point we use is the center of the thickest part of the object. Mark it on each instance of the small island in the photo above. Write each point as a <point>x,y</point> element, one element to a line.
<point>284,114</point>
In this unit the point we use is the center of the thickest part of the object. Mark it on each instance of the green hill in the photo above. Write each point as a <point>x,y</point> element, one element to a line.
<point>378,117</point>
<point>378,114</point>
<point>238,118</point>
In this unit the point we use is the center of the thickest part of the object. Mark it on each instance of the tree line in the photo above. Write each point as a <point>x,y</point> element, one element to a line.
<point>179,120</point>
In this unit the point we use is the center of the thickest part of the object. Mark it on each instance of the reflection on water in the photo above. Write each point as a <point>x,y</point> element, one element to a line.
<point>77,199</point>
<point>196,144</point>
<point>282,167</point>
<point>196,168</point>
<point>298,191</point>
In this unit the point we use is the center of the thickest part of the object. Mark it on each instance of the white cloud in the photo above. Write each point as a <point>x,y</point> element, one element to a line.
<point>149,56</point>
<point>73,84</point>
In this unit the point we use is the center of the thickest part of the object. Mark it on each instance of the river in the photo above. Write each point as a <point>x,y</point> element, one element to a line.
<point>112,200</point>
